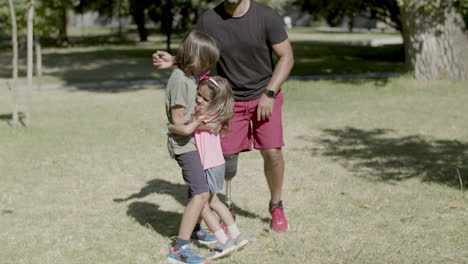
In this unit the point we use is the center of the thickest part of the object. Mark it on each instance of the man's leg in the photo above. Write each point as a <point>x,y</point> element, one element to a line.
<point>238,139</point>
<point>268,138</point>
<point>273,165</point>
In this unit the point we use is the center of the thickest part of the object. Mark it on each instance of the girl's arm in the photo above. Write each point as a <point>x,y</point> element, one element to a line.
<point>188,128</point>
<point>180,126</point>
<point>184,129</point>
<point>178,121</point>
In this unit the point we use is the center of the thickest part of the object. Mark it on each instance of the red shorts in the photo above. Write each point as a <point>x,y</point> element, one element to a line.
<point>245,130</point>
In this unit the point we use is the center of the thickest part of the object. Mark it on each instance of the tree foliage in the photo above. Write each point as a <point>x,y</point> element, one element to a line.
<point>434,34</point>
<point>387,11</point>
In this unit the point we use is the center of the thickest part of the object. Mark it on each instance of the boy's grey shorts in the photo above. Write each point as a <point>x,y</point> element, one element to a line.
<point>192,172</point>
<point>215,178</point>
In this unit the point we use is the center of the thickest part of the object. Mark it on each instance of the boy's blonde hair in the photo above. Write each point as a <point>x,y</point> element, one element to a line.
<point>221,105</point>
<point>197,50</point>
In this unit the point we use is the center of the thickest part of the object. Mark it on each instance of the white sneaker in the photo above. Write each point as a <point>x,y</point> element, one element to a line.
<point>240,241</point>
<point>221,250</point>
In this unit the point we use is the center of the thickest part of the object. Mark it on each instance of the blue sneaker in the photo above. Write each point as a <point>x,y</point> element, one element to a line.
<point>184,255</point>
<point>203,237</point>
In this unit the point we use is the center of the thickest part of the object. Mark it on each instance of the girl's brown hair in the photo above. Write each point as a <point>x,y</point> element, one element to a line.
<point>221,105</point>
<point>197,50</point>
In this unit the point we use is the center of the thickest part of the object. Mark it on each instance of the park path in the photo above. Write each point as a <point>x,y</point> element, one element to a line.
<point>367,43</point>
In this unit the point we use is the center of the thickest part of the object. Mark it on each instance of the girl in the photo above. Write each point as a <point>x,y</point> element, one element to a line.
<point>215,104</point>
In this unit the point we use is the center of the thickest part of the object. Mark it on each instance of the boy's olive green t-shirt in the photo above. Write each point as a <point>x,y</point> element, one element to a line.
<point>180,90</point>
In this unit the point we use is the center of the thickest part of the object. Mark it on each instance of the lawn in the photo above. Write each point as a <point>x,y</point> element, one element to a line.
<point>371,177</point>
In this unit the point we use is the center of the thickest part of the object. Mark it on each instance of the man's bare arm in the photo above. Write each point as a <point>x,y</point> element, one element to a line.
<point>282,69</point>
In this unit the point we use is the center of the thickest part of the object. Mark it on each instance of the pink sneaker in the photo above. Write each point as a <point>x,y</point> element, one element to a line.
<point>279,223</point>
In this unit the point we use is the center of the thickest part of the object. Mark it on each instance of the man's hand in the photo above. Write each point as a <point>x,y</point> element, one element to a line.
<point>265,107</point>
<point>162,60</point>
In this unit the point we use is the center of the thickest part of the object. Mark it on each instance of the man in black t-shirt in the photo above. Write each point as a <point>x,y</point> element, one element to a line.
<point>247,34</point>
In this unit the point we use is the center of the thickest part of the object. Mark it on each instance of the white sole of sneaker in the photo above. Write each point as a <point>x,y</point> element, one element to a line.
<point>205,242</point>
<point>222,254</point>
<point>175,261</point>
<point>241,244</point>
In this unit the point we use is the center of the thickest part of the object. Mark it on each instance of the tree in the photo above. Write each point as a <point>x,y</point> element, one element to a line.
<point>14,43</point>
<point>434,32</point>
<point>30,60</point>
<point>162,12</point>
<point>435,39</point>
<point>137,10</point>
<point>386,11</point>
<point>334,11</point>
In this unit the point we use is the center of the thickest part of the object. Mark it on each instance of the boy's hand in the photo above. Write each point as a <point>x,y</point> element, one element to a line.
<point>162,60</point>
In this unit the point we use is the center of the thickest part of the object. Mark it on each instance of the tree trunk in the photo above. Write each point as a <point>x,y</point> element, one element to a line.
<point>435,42</point>
<point>14,43</point>
<point>140,21</point>
<point>119,17</point>
<point>350,23</point>
<point>166,22</point>
<point>37,42</point>
<point>63,34</point>
<point>30,60</point>
<point>137,10</point>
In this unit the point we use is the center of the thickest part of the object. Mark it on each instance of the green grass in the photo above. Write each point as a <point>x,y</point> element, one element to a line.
<point>370,177</point>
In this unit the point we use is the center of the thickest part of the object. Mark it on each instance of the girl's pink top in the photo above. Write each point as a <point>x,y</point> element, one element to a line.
<point>209,147</point>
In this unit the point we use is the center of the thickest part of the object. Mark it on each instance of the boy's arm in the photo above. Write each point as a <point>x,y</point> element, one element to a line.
<point>163,60</point>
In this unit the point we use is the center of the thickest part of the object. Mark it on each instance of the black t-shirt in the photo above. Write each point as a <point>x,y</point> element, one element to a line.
<point>245,46</point>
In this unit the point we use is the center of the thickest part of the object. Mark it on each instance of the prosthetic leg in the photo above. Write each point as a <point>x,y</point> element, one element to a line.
<point>231,171</point>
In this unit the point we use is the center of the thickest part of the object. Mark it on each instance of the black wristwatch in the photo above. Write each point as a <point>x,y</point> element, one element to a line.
<point>270,93</point>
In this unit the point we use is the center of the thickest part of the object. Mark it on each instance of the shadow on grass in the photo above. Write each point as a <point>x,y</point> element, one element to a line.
<point>149,215</point>
<point>8,118</point>
<point>89,40</point>
<point>327,59</point>
<point>179,192</point>
<point>84,69</point>
<point>113,87</point>
<point>377,81</point>
<point>376,155</point>
<point>126,63</point>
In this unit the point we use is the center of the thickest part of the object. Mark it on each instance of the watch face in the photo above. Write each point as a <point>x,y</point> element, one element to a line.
<point>270,93</point>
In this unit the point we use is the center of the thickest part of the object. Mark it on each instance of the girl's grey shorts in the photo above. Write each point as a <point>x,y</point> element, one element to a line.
<point>215,177</point>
